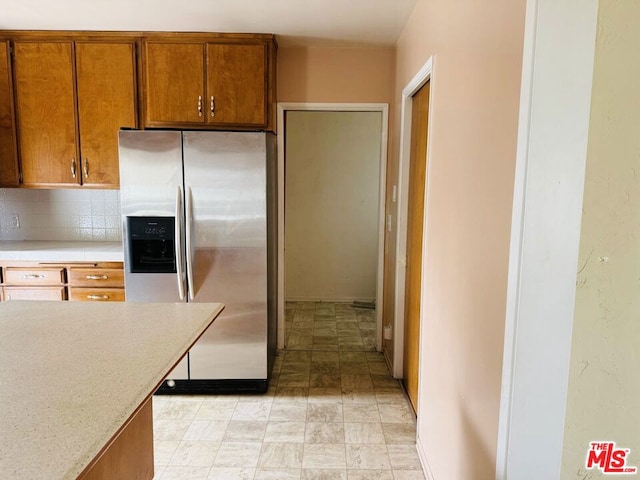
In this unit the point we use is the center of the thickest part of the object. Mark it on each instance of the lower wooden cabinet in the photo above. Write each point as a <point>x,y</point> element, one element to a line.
<point>34,283</point>
<point>89,294</point>
<point>35,293</point>
<point>96,277</point>
<point>34,276</point>
<point>86,282</point>
<point>103,282</point>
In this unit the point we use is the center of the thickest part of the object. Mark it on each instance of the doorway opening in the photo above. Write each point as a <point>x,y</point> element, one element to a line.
<point>331,178</point>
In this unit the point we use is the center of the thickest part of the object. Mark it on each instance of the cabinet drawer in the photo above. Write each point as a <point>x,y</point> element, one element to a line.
<point>35,293</point>
<point>87,294</point>
<point>96,277</point>
<point>33,276</point>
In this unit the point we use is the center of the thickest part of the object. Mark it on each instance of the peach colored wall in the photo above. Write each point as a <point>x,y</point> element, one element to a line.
<point>335,74</point>
<point>477,48</point>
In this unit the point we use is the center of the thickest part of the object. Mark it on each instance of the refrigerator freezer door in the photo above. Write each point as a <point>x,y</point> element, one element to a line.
<point>225,185</point>
<point>150,186</point>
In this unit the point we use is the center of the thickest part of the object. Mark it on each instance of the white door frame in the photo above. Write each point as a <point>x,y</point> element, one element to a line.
<point>383,108</point>
<point>553,131</point>
<point>424,75</point>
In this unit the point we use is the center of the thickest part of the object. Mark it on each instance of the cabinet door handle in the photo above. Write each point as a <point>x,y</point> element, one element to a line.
<point>98,297</point>
<point>199,105</point>
<point>31,276</point>
<point>73,167</point>
<point>86,167</point>
<point>96,277</point>
<point>213,106</point>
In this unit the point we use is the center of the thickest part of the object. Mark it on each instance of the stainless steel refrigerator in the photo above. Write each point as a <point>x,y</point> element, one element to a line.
<point>198,218</point>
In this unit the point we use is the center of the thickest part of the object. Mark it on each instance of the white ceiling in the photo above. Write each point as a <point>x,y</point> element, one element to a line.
<point>297,22</point>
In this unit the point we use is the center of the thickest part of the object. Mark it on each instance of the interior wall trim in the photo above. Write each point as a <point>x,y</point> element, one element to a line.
<point>424,75</point>
<point>559,50</point>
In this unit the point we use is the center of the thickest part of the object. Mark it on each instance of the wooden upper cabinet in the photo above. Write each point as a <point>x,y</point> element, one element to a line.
<point>174,79</point>
<point>106,102</point>
<point>236,84</point>
<point>45,99</point>
<point>72,96</point>
<point>8,148</point>
<point>209,81</point>
<point>64,96</point>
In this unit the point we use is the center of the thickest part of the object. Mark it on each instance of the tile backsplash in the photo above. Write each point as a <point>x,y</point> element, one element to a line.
<point>84,215</point>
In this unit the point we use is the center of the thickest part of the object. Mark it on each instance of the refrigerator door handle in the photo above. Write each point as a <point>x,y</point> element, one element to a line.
<point>178,243</point>
<point>189,221</point>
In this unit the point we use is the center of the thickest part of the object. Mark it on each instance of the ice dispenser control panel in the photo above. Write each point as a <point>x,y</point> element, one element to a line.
<point>151,244</point>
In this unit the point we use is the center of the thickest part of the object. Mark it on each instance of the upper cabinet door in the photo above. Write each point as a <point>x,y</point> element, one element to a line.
<point>106,83</point>
<point>209,81</point>
<point>236,84</point>
<point>174,79</point>
<point>45,100</point>
<point>8,152</point>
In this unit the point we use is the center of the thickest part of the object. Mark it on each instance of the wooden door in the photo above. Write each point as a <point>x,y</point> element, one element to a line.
<point>174,79</point>
<point>45,102</point>
<point>8,148</point>
<point>236,84</point>
<point>415,220</point>
<point>106,102</point>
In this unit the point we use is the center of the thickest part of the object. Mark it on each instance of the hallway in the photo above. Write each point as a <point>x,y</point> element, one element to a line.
<point>332,412</point>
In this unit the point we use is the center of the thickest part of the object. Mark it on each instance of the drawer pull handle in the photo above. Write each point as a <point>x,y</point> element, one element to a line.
<point>32,276</point>
<point>98,297</point>
<point>97,277</point>
<point>199,105</point>
<point>73,167</point>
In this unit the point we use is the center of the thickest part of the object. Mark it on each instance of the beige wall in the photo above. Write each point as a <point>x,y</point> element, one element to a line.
<point>604,385</point>
<point>474,120</point>
<point>334,74</point>
<point>331,205</point>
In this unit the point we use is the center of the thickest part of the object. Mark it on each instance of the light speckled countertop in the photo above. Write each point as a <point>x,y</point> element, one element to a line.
<point>57,251</point>
<point>72,373</point>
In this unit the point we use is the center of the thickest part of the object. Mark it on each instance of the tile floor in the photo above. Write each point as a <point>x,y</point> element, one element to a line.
<point>332,412</point>
<point>329,327</point>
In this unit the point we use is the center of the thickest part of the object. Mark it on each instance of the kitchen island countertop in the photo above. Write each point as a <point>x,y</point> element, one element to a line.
<point>73,373</point>
<point>60,251</point>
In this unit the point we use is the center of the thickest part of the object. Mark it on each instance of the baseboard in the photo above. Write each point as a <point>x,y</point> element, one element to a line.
<point>422,455</point>
<point>330,299</point>
<point>385,354</point>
